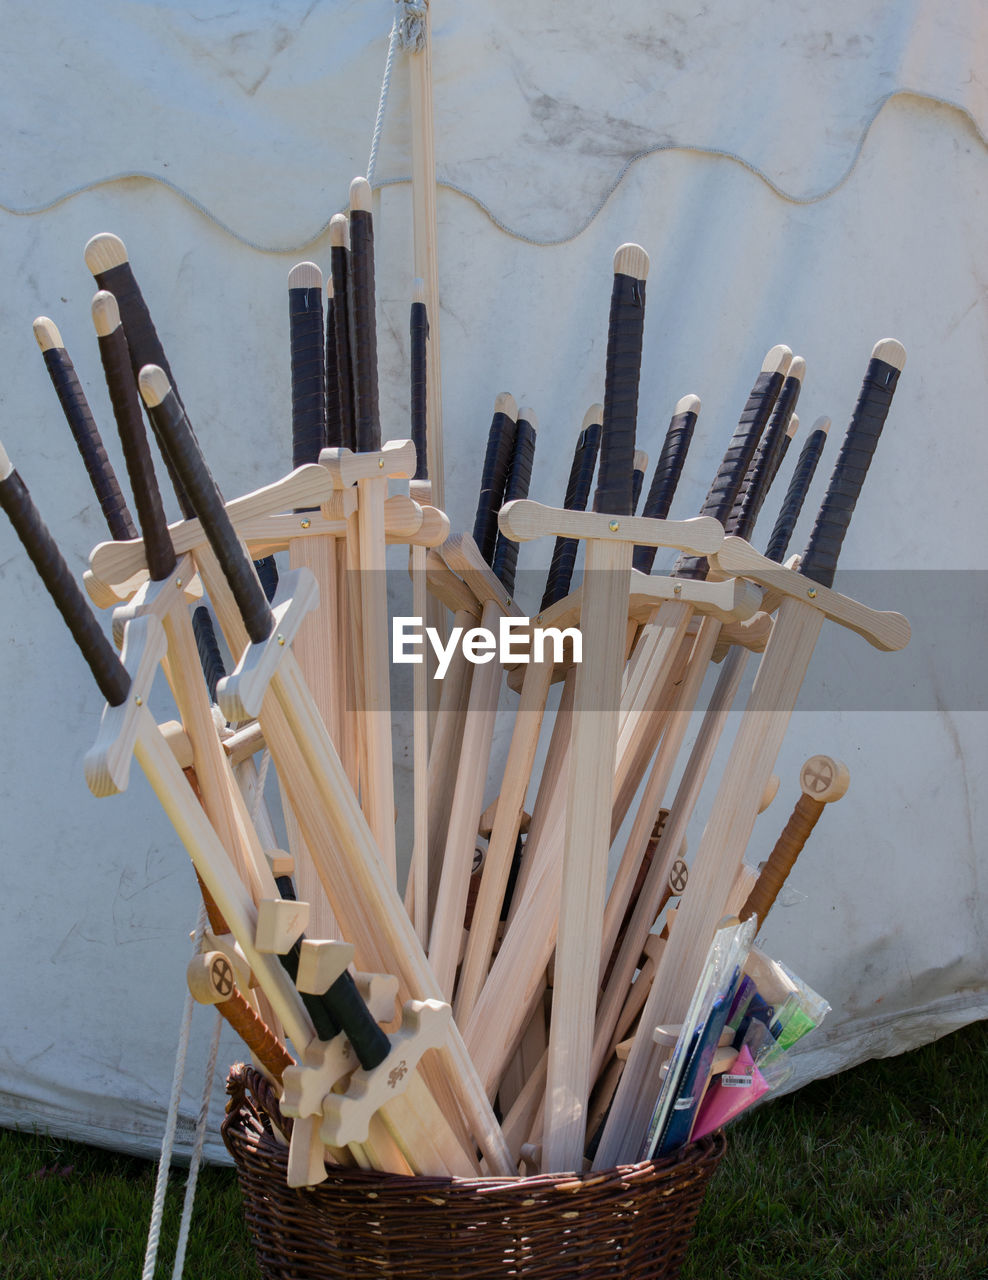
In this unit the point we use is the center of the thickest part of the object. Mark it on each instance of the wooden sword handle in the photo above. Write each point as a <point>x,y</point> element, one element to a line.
<point>306,332</point>
<point>720,498</point>
<point>622,373</point>
<point>577,496</point>
<point>822,780</point>
<point>497,462</point>
<point>519,478</point>
<point>211,981</point>
<point>668,469</point>
<point>82,424</point>
<point>418,335</point>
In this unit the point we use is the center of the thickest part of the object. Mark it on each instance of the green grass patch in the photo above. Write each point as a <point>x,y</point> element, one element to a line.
<point>880,1173</point>
<point>73,1212</point>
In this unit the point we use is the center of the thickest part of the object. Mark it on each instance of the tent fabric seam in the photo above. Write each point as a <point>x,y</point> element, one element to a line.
<point>514,233</point>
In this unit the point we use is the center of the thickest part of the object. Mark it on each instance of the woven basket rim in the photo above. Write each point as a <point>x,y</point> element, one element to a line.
<point>244,1080</point>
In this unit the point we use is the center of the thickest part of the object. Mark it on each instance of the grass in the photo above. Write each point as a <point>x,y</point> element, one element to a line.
<point>880,1172</point>
<point>69,1212</point>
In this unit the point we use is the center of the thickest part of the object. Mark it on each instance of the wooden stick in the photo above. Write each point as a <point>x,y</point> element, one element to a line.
<point>504,837</point>
<point>425,238</point>
<point>316,645</point>
<point>593,743</point>
<point>822,780</point>
<point>377,776</point>
<point>467,804</point>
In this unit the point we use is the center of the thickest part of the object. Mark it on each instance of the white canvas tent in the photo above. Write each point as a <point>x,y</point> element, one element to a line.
<point>800,174</point>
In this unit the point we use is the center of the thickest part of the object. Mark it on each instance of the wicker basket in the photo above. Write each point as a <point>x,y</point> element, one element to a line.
<point>633,1222</point>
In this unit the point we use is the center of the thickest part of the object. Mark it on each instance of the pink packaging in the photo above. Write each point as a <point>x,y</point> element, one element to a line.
<point>729,1094</point>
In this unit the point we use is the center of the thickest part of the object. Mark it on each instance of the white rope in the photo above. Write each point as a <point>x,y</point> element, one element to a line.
<point>382,102</point>
<point>411,24</point>
<point>196,1159</point>
<point>168,1138</point>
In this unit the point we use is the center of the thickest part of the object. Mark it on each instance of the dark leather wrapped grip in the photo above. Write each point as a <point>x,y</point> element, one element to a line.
<point>505,560</point>
<point>340,267</point>
<point>762,469</point>
<point>820,557</point>
<point>368,414</point>
<point>307,339</point>
<point>126,402</point>
<point>780,862</point>
<point>637,480</point>
<point>315,1006</point>
<point>780,455</point>
<point>210,658</point>
<point>731,472</point>
<point>176,434</point>
<point>621,377</point>
<point>86,434</point>
<point>792,505</point>
<point>497,461</point>
<point>144,346</point>
<point>347,1005</point>
<point>668,469</point>
<point>108,670</point>
<point>565,550</point>
<point>267,572</point>
<point>340,1006</point>
<point>256,1035</point>
<point>334,417</point>
<point>418,347</point>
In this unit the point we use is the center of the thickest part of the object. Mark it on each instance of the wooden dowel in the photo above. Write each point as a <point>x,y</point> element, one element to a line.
<point>504,837</point>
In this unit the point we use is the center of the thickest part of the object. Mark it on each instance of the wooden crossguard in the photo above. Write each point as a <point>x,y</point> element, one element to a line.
<point>822,780</point>
<point>805,603</point>
<point>347,860</point>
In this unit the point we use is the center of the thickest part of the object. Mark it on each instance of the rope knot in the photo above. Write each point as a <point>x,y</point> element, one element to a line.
<point>410,22</point>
